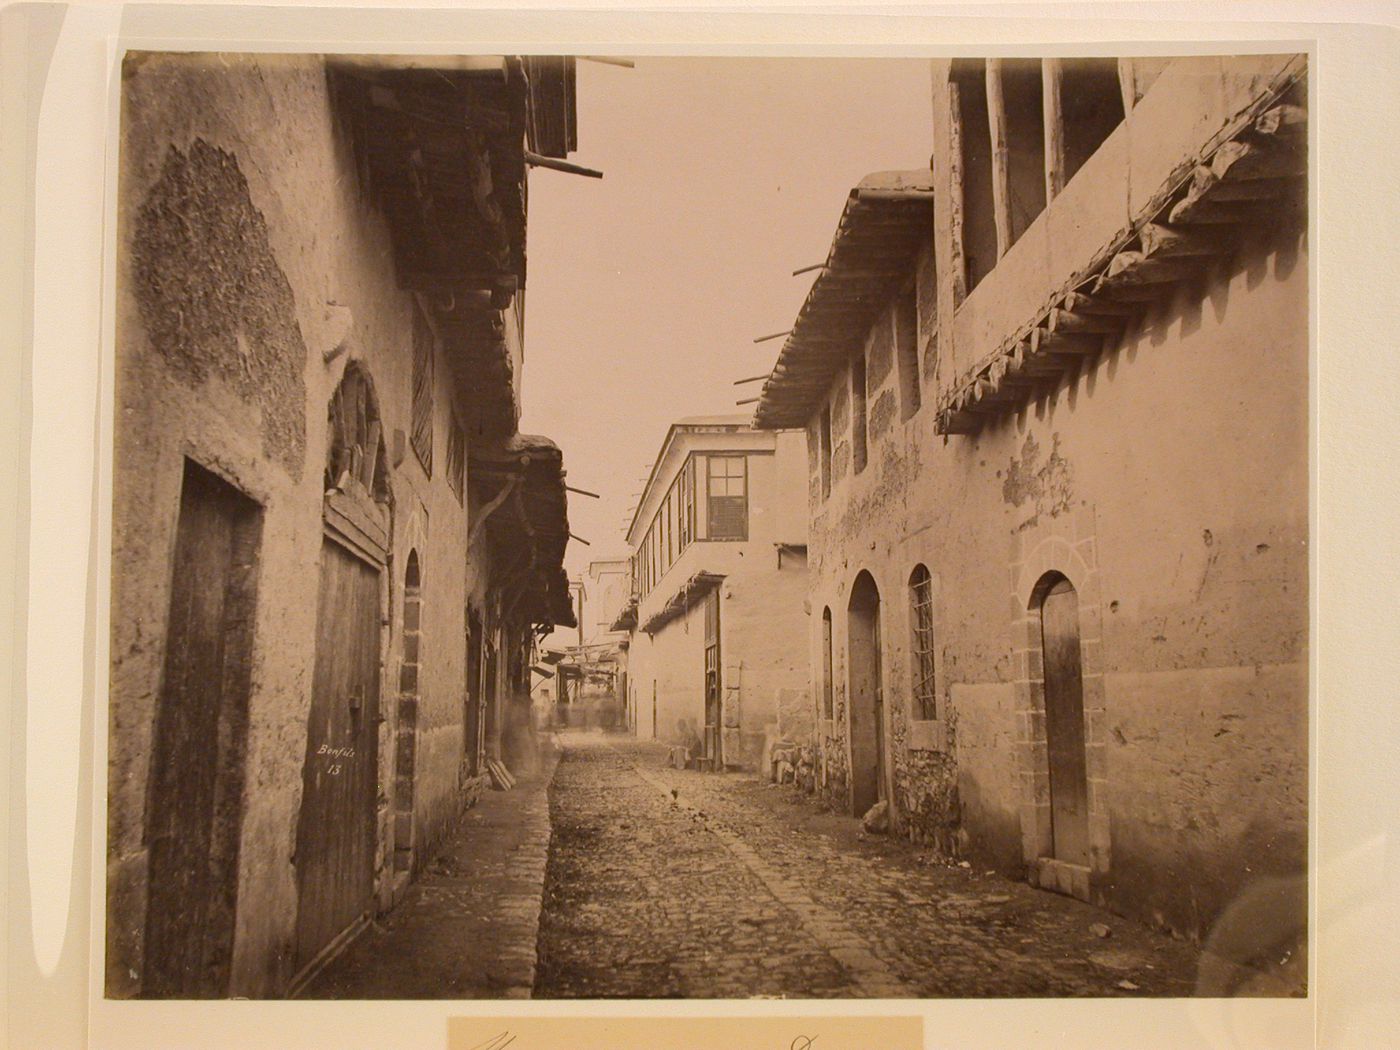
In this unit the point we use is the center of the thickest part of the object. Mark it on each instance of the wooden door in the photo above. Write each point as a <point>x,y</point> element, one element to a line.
<point>336,832</point>
<point>713,694</point>
<point>1064,724</point>
<point>197,763</point>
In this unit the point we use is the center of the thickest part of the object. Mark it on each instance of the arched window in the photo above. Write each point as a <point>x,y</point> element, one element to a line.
<point>827,705</point>
<point>924,691</point>
<point>355,460</point>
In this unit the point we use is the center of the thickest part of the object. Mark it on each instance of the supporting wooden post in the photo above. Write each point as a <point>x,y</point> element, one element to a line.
<point>1051,77</point>
<point>955,193</point>
<point>1001,169</point>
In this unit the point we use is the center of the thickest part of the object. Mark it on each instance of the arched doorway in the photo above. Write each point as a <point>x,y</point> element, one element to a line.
<point>867,706</point>
<point>1058,605</point>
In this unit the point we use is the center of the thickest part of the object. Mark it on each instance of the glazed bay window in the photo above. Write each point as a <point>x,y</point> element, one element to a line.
<point>726,504</point>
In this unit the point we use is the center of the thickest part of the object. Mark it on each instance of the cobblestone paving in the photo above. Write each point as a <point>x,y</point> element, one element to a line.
<point>666,883</point>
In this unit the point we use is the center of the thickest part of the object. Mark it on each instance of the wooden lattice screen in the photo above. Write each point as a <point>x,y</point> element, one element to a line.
<point>921,601</point>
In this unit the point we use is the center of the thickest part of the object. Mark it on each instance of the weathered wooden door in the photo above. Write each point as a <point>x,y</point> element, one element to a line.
<point>336,833</point>
<point>713,694</point>
<point>197,762</point>
<point>1064,724</point>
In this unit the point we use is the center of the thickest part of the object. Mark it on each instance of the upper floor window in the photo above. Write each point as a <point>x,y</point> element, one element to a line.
<point>727,510</point>
<point>906,350</point>
<point>924,692</point>
<point>1021,129</point>
<point>858,422</point>
<point>824,437</point>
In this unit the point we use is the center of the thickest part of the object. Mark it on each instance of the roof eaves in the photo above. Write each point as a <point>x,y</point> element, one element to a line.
<point>886,220</point>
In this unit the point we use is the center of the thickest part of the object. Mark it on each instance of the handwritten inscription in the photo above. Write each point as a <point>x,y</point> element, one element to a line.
<point>336,752</point>
<point>504,1039</point>
<point>496,1042</point>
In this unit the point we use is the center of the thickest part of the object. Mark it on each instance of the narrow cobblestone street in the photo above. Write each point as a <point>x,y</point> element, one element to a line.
<point>664,882</point>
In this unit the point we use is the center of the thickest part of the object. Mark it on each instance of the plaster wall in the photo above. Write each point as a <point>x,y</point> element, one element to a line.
<point>1168,481</point>
<point>238,260</point>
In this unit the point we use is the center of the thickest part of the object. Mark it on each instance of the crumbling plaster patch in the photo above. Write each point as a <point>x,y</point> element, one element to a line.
<point>212,297</point>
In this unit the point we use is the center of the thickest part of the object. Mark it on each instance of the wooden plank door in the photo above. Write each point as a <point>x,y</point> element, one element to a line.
<point>713,692</point>
<point>198,752</point>
<point>1064,724</point>
<point>336,833</point>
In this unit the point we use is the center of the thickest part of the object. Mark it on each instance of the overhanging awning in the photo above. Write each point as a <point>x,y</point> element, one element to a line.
<point>626,618</point>
<point>440,146</point>
<point>887,219</point>
<point>523,508</point>
<point>685,597</point>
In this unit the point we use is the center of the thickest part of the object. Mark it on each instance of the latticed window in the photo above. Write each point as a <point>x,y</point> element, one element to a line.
<point>457,459</point>
<point>728,511</point>
<point>921,618</point>
<point>422,436</point>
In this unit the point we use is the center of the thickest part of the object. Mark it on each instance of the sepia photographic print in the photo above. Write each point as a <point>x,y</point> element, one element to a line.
<point>860,550</point>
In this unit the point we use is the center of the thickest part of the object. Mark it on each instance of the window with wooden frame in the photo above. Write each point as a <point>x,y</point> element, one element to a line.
<point>923,677</point>
<point>828,706</point>
<point>457,459</point>
<point>421,436</point>
<point>906,349</point>
<point>1083,105</point>
<point>858,420</point>
<point>727,498</point>
<point>685,506</point>
<point>825,439</point>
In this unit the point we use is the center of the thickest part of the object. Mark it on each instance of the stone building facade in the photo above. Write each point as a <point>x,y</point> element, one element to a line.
<point>719,575</point>
<point>1056,398</point>
<point>331,549</point>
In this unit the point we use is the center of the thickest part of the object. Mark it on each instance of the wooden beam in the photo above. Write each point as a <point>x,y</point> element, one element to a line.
<point>1170,242</point>
<point>1044,341</point>
<point>536,160</point>
<point>1080,303</point>
<point>955,193</point>
<point>1052,79</point>
<point>1070,323</point>
<point>1001,156</point>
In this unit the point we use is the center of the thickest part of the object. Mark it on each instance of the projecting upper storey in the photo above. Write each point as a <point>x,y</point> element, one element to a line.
<point>721,497</point>
<point>1066,196</point>
<point>442,146</point>
<point>885,222</point>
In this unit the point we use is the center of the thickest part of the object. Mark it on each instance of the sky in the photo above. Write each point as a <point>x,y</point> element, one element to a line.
<point>646,289</point>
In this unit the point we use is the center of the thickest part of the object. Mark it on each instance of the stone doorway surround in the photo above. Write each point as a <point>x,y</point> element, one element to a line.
<point>1064,544</point>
